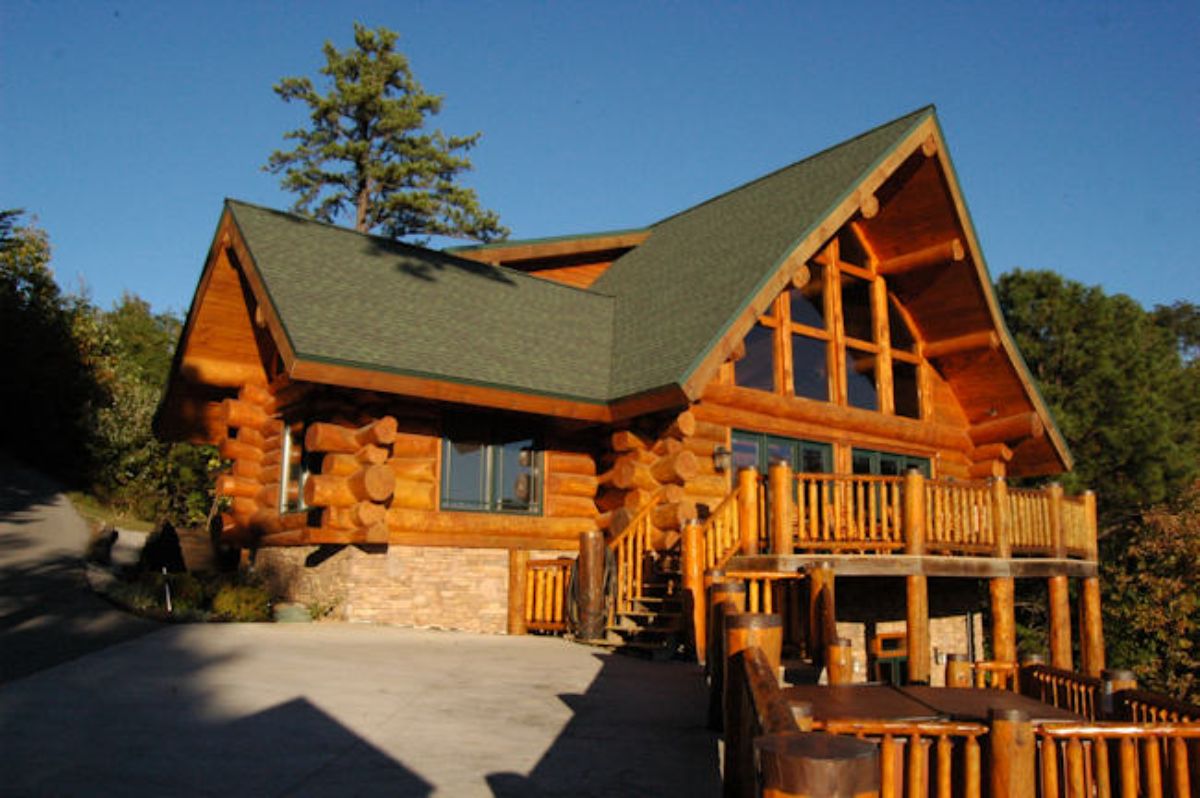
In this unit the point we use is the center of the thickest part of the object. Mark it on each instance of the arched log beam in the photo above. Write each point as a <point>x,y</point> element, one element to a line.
<point>971,342</point>
<point>951,251</point>
<point>1009,428</point>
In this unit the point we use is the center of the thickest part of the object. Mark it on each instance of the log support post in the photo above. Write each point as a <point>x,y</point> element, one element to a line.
<point>914,512</point>
<point>1004,622</point>
<point>917,628</point>
<point>747,481</point>
<point>1091,630</point>
<point>725,598</point>
<point>742,632</point>
<point>839,657</point>
<point>592,615</point>
<point>518,563</point>
<point>816,764</point>
<point>958,671</point>
<point>779,475</point>
<point>1060,622</point>
<point>1011,754</point>
<point>822,613</point>
<point>693,586</point>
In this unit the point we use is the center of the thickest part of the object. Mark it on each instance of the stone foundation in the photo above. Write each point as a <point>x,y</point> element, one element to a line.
<point>435,587</point>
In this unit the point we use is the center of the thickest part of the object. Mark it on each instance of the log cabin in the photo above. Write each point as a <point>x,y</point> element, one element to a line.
<point>804,381</point>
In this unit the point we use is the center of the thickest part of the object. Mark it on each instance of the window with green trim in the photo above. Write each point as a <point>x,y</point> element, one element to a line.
<point>490,468</point>
<point>753,449</point>
<point>887,464</point>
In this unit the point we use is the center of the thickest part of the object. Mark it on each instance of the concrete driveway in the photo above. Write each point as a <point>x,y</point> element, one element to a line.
<point>97,704</point>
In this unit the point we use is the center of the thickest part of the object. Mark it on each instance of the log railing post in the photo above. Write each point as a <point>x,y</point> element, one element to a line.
<point>1091,525</point>
<point>1004,623</point>
<point>1054,496</point>
<point>1060,622</point>
<point>518,566</point>
<point>817,765</point>
<point>958,670</point>
<point>779,477</point>
<point>1111,683</point>
<point>693,586</point>
<point>725,598</point>
<point>917,628</point>
<point>1001,518</point>
<point>914,512</point>
<point>744,631</point>
<point>747,485</point>
<point>1091,630</point>
<point>822,612</point>
<point>839,658</point>
<point>592,612</point>
<point>1011,754</point>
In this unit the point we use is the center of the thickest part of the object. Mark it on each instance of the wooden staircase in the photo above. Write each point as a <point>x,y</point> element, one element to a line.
<point>651,625</point>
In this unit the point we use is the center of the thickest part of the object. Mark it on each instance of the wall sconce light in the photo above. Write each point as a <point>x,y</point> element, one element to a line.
<point>722,459</point>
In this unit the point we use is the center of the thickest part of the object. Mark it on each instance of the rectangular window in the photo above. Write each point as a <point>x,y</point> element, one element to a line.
<point>861,387</point>
<point>857,316</point>
<point>759,450</point>
<point>905,391</point>
<point>490,470</point>
<point>810,368</point>
<point>756,369</point>
<point>887,464</point>
<point>807,303</point>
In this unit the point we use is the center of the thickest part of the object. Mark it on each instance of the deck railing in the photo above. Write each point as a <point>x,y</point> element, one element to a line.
<point>906,749</point>
<point>722,532</point>
<point>545,594</point>
<point>1142,706</point>
<point>1029,514</point>
<point>1075,528</point>
<point>958,517</point>
<point>859,513</point>
<point>1117,759</point>
<point>1064,689</point>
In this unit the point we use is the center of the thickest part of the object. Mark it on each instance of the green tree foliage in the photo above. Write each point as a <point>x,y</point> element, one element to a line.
<point>367,152</point>
<point>82,385</point>
<point>1123,384</point>
<point>1153,611</point>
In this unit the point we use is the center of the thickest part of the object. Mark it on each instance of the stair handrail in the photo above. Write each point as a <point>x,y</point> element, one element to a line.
<point>629,548</point>
<point>719,549</point>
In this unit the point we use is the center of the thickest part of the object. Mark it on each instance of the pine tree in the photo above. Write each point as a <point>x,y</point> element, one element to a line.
<point>367,151</point>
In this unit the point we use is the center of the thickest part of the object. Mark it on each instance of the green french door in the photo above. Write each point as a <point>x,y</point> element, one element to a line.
<point>758,450</point>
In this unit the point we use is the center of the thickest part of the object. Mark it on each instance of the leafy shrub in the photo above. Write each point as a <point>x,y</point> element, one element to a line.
<point>242,603</point>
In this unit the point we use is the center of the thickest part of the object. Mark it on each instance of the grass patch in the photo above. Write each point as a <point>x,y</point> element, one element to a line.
<point>98,513</point>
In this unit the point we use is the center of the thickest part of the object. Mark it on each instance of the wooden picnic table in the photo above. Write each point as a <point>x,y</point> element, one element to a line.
<point>975,704</point>
<point>860,702</point>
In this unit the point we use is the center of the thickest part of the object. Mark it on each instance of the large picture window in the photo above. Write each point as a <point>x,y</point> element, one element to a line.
<point>489,468</point>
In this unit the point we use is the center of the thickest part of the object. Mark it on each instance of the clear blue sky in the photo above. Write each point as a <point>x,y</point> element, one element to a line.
<point>1075,127</point>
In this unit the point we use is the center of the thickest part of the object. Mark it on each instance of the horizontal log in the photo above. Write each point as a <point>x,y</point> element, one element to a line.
<point>257,394</point>
<point>220,373</point>
<point>418,469</point>
<point>700,446</point>
<point>371,483</point>
<point>678,467</point>
<point>252,437</point>
<point>629,474</point>
<point>570,507</point>
<point>708,431</point>
<point>570,463</point>
<point>274,456</point>
<point>673,515</point>
<point>343,464</point>
<point>702,485</point>
<point>992,451</point>
<point>869,206</point>
<point>665,446</point>
<point>248,469</point>
<point>945,252</point>
<point>1008,429</point>
<point>231,485</point>
<point>231,449</point>
<point>624,440</point>
<point>960,344</point>
<point>238,414</point>
<point>727,400</point>
<point>243,508</point>
<point>493,525</point>
<point>637,499</point>
<point>327,437</point>
<point>362,514</point>
<point>609,500</point>
<point>985,469</point>
<point>414,495</point>
<point>416,446</point>
<point>682,426</point>
<point>571,485</point>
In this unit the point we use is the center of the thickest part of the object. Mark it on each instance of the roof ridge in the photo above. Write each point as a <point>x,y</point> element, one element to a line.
<point>930,108</point>
<point>415,248</point>
<point>517,242</point>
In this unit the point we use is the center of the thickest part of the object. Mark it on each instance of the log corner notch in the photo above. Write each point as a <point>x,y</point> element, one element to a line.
<point>667,459</point>
<point>357,478</point>
<point>1008,430</point>
<point>253,442</point>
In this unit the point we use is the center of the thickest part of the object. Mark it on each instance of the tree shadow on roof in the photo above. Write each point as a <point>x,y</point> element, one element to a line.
<point>639,729</point>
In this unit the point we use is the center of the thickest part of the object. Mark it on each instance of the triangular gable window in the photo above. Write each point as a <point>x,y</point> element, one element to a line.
<point>837,337</point>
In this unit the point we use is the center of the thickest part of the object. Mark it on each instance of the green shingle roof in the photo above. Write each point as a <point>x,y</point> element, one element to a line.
<point>358,300</point>
<point>680,290</point>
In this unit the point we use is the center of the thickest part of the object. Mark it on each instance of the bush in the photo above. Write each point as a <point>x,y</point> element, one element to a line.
<point>242,603</point>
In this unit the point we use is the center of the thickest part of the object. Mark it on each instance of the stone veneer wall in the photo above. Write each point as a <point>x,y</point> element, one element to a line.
<point>440,587</point>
